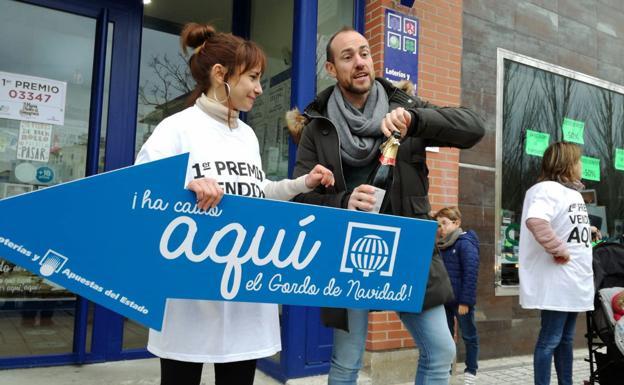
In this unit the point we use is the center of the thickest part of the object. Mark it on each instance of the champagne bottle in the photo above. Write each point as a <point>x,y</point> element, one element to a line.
<point>381,177</point>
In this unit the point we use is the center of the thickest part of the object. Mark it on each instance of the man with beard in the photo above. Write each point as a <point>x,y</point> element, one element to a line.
<point>344,127</point>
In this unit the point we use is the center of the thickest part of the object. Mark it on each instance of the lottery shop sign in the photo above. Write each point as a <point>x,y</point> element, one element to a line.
<point>401,47</point>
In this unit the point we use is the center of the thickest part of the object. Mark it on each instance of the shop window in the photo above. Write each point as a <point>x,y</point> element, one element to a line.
<point>267,116</point>
<point>332,15</point>
<point>541,104</point>
<point>165,80</point>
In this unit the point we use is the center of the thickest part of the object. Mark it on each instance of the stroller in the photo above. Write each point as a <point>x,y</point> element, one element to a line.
<point>606,361</point>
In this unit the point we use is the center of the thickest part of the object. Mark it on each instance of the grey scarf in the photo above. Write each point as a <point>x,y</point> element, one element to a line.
<point>359,131</point>
<point>449,240</point>
<point>576,185</point>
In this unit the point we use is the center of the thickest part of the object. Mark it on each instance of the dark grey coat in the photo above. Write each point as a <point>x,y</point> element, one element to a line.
<point>430,126</point>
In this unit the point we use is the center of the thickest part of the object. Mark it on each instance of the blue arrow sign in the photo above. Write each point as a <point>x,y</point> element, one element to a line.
<point>131,238</point>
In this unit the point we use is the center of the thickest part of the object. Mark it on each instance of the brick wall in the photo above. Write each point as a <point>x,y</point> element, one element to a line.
<point>439,82</point>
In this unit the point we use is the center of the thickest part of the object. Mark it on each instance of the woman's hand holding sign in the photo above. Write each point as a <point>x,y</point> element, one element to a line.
<point>207,191</point>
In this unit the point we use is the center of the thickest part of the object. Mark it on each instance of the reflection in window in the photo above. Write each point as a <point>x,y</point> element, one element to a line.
<point>165,80</point>
<point>332,16</point>
<point>267,115</point>
<point>541,107</point>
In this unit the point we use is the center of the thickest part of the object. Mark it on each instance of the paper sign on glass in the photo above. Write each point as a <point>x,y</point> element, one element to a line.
<point>591,168</point>
<point>573,131</point>
<point>33,142</point>
<point>33,99</point>
<point>536,142</point>
<point>619,159</point>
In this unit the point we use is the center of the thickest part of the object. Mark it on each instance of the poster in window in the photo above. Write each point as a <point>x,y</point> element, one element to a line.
<point>34,141</point>
<point>33,99</point>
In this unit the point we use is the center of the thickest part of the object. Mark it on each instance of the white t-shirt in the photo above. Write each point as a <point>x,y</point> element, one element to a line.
<point>545,284</point>
<point>213,331</point>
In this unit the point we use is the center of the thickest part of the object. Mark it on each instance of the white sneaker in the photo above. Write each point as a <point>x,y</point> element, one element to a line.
<point>469,378</point>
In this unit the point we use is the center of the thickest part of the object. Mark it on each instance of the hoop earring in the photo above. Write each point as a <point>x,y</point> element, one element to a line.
<point>227,93</point>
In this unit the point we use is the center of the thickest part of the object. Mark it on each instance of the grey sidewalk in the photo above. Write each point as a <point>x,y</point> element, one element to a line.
<point>519,371</point>
<point>504,371</point>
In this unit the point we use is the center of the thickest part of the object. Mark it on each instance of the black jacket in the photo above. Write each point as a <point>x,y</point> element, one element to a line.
<point>430,126</point>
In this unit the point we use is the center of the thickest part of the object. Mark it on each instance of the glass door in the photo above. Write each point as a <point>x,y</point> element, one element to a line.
<point>55,82</point>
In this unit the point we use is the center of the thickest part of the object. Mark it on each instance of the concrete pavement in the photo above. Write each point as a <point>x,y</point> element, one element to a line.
<point>519,371</point>
<point>504,371</point>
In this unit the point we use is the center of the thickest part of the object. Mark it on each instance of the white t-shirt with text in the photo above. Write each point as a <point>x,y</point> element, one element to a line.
<point>213,331</point>
<point>545,284</point>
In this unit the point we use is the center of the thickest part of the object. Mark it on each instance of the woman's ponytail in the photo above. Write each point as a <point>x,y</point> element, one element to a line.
<point>195,35</point>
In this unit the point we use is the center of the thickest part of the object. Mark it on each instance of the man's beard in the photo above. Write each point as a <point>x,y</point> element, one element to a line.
<point>350,87</point>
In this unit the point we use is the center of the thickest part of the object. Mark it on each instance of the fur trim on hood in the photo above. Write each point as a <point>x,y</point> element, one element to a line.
<point>295,121</point>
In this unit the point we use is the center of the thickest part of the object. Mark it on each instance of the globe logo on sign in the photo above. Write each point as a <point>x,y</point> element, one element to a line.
<point>51,263</point>
<point>369,254</point>
<point>370,249</point>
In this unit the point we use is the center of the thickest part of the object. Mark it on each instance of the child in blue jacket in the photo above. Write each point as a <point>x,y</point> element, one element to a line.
<point>460,251</point>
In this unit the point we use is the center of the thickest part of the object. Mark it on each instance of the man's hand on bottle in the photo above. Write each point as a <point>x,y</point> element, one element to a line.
<point>362,198</point>
<point>396,120</point>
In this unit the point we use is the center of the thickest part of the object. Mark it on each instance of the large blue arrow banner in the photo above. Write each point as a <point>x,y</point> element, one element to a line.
<point>132,238</point>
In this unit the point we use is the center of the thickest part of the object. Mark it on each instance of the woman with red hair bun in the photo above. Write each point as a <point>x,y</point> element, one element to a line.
<point>232,335</point>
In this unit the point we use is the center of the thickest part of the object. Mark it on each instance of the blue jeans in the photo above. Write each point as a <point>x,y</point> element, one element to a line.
<point>435,344</point>
<point>555,338</point>
<point>469,334</point>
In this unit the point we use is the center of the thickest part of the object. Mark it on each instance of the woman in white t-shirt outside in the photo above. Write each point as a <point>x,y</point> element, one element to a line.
<point>224,156</point>
<point>556,259</point>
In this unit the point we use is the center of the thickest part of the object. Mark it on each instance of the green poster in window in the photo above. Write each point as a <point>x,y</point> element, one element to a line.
<point>619,159</point>
<point>536,142</point>
<point>591,168</point>
<point>573,131</point>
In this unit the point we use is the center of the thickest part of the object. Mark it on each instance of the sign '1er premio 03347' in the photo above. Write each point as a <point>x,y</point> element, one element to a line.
<point>132,238</point>
<point>32,99</point>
